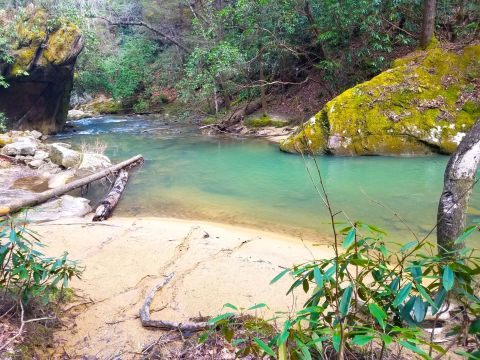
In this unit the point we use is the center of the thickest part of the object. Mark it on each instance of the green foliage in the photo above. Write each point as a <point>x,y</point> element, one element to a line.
<point>141,106</point>
<point>126,71</point>
<point>370,294</point>
<point>3,122</point>
<point>27,273</point>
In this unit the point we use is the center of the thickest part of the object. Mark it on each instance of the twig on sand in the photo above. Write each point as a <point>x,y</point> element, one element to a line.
<point>164,324</point>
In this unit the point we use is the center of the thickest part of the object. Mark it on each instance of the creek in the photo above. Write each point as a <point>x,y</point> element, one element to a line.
<point>250,182</point>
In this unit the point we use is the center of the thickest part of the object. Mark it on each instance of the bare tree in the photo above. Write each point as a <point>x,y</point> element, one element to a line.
<point>460,177</point>
<point>428,24</point>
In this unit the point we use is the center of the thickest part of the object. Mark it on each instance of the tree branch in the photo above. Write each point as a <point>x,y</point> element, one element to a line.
<point>149,27</point>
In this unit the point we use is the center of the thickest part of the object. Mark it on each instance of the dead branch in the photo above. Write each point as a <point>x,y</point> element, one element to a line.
<point>164,324</point>
<point>22,325</point>
<point>149,27</point>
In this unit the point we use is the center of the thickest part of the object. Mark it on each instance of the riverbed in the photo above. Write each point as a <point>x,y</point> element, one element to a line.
<point>249,182</point>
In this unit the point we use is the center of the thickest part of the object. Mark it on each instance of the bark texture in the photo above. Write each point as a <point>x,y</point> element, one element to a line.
<point>460,177</point>
<point>428,24</point>
<point>105,209</point>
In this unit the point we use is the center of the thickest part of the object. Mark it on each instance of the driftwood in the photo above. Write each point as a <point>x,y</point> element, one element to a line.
<point>47,195</point>
<point>185,327</point>
<point>459,180</point>
<point>105,209</point>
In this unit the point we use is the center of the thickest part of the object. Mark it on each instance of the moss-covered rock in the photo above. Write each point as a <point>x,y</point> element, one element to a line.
<point>425,103</point>
<point>40,73</point>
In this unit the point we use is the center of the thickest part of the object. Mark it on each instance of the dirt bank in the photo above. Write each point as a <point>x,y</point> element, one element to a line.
<point>125,257</point>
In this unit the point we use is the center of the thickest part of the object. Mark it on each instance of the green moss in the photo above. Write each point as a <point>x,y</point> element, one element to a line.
<point>108,107</point>
<point>311,139</point>
<point>61,42</point>
<point>402,109</point>
<point>263,121</point>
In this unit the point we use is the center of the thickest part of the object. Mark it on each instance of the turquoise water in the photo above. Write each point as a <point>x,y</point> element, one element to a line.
<point>249,182</point>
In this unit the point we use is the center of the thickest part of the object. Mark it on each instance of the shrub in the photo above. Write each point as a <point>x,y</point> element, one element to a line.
<point>371,301</point>
<point>141,106</point>
<point>25,272</point>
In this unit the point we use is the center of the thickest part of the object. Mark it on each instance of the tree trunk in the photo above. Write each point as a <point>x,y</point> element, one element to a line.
<point>458,183</point>
<point>262,84</point>
<point>105,209</point>
<point>428,24</point>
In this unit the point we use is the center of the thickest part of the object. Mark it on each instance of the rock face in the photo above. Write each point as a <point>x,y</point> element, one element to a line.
<point>425,103</point>
<point>41,74</point>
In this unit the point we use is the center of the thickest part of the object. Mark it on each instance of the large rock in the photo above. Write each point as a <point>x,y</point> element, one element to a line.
<point>425,103</point>
<point>94,162</point>
<point>23,147</point>
<point>41,74</point>
<point>64,207</point>
<point>62,156</point>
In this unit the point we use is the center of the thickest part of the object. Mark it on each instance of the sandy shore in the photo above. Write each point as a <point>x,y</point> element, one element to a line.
<point>125,257</point>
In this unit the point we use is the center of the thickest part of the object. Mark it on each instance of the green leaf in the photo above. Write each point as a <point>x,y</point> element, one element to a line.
<point>228,305</point>
<point>285,333</point>
<point>387,339</point>
<point>448,278</point>
<point>378,313</point>
<point>220,318</point>
<point>419,309</point>
<point>408,246</point>
<point>305,285</point>
<point>349,239</point>
<point>416,272</point>
<point>279,276</point>
<point>361,340</point>
<point>264,347</point>
<point>345,301</point>
<point>258,306</point>
<point>474,327</point>
<point>318,277</point>
<point>336,338</point>
<point>402,295</point>
<point>473,355</point>
<point>414,348</point>
<point>439,299</point>
<point>468,231</point>
<point>424,294</point>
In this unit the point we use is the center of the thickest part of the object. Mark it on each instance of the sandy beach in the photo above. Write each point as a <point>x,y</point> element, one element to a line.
<point>125,258</point>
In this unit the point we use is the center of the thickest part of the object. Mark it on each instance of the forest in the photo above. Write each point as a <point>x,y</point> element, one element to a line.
<point>252,179</point>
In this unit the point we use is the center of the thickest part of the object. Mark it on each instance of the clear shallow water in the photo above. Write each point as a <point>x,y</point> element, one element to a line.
<point>250,182</point>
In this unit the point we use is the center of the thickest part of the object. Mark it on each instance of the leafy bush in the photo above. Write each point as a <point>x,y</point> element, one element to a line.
<point>370,300</point>
<point>3,122</point>
<point>141,106</point>
<point>25,272</point>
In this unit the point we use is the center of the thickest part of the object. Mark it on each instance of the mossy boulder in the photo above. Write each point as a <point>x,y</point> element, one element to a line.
<point>425,103</point>
<point>40,74</point>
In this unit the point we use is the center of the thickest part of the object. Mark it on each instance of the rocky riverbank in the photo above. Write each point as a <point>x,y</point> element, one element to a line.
<point>30,164</point>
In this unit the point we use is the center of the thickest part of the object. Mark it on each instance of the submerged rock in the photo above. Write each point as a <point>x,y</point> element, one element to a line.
<point>41,74</point>
<point>425,103</point>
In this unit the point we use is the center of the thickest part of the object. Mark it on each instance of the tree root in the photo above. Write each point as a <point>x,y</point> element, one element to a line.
<point>187,327</point>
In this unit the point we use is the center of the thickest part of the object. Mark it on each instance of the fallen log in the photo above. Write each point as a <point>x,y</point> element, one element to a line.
<point>183,327</point>
<point>105,208</point>
<point>47,195</point>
